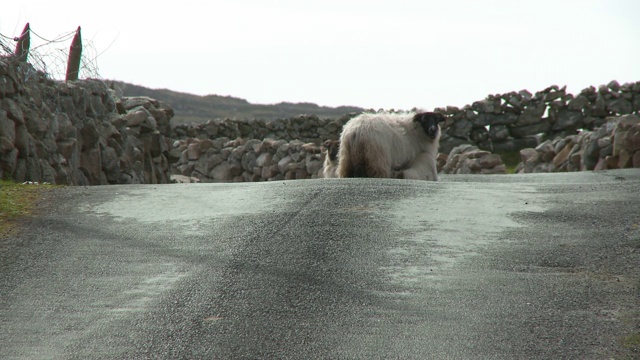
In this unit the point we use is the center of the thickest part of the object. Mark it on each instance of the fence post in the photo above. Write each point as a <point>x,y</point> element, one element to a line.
<point>75,54</point>
<point>24,42</point>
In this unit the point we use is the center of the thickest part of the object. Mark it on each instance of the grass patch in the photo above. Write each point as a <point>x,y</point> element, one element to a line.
<point>16,201</point>
<point>632,342</point>
<point>510,160</point>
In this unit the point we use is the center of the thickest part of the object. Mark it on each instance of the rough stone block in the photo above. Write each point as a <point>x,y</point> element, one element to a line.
<point>13,111</point>
<point>528,154</point>
<point>632,140</point>
<point>563,156</point>
<point>499,132</point>
<point>221,173</point>
<point>498,169</point>
<point>461,128</point>
<point>24,142</point>
<point>6,145</point>
<point>620,106</point>
<point>566,119</point>
<point>623,126</point>
<point>91,165</point>
<point>8,161</point>
<point>624,159</point>
<point>136,116</point>
<point>490,161</point>
<point>578,103</point>
<point>7,127</point>
<point>530,130</point>
<point>531,115</point>
<point>635,161</point>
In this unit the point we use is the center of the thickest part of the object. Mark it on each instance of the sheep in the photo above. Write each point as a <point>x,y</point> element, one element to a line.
<point>390,145</point>
<point>330,167</point>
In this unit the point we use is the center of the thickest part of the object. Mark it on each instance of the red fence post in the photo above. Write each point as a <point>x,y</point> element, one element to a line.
<point>24,42</point>
<point>75,54</point>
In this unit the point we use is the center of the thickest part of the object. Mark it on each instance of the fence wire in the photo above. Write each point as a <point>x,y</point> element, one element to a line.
<point>50,56</point>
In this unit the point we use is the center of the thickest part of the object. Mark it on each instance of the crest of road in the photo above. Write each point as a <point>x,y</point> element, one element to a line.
<point>536,266</point>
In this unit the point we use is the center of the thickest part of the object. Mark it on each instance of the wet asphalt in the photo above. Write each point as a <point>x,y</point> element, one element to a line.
<point>472,267</point>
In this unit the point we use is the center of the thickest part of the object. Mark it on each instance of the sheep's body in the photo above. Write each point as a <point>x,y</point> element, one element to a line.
<point>330,167</point>
<point>390,145</point>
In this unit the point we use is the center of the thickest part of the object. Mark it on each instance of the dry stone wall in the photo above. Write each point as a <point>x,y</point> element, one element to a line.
<point>499,123</point>
<point>469,159</point>
<point>553,130</point>
<point>306,128</point>
<point>240,160</point>
<point>614,145</point>
<point>79,132</point>
<point>517,120</point>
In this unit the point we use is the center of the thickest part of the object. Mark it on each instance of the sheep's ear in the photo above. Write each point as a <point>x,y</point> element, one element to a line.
<point>429,116</point>
<point>327,143</point>
<point>418,117</point>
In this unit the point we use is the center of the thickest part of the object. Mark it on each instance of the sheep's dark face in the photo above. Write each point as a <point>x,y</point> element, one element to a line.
<point>332,149</point>
<point>429,122</point>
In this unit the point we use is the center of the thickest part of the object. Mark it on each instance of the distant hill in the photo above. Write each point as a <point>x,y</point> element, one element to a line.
<point>190,108</point>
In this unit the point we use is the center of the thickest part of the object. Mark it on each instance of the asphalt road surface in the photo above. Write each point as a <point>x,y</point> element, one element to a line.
<point>472,267</point>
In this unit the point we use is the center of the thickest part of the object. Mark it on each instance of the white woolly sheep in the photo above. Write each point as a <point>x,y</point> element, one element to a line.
<point>390,145</point>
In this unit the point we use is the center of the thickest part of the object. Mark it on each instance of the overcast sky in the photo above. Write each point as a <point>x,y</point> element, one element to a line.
<point>375,54</point>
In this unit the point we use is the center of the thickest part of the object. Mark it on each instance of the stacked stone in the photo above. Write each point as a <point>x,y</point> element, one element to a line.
<point>145,121</point>
<point>242,160</point>
<point>499,123</point>
<point>626,145</point>
<point>78,133</point>
<point>307,128</point>
<point>468,159</point>
<point>614,145</point>
<point>561,154</point>
<point>516,120</point>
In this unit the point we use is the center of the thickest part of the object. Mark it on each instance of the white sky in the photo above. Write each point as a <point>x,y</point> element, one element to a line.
<point>374,54</point>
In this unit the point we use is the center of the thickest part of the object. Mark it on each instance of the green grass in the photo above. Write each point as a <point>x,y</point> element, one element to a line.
<point>510,160</point>
<point>17,201</point>
<point>632,342</point>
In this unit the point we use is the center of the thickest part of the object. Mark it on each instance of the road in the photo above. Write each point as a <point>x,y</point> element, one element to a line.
<point>536,266</point>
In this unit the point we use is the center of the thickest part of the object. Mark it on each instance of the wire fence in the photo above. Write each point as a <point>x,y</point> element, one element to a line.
<point>51,55</point>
